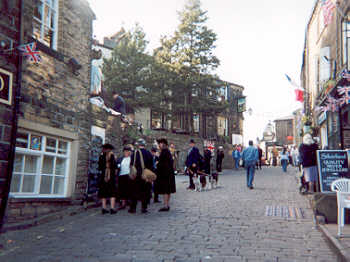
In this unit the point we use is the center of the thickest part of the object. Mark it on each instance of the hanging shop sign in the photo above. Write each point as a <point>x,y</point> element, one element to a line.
<point>241,105</point>
<point>5,87</point>
<point>332,165</point>
<point>321,118</point>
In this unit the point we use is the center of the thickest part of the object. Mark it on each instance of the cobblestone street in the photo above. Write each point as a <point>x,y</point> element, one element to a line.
<point>229,223</point>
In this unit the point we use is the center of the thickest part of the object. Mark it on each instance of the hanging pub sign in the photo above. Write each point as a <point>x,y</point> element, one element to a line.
<point>241,106</point>
<point>5,87</point>
<point>332,165</point>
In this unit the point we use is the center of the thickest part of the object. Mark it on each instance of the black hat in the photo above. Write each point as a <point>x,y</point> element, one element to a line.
<point>163,141</point>
<point>108,146</point>
<point>154,149</point>
<point>192,141</point>
<point>127,148</point>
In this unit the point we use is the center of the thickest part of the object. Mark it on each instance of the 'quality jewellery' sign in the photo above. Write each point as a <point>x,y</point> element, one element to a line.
<point>332,165</point>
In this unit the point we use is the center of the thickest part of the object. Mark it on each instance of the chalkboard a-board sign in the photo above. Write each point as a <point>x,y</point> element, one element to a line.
<point>332,165</point>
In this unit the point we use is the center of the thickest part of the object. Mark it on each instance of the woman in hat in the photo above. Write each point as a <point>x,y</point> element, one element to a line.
<point>123,171</point>
<point>165,183</point>
<point>107,179</point>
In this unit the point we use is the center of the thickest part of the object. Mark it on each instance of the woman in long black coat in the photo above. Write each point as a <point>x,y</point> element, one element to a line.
<point>107,178</point>
<point>165,183</point>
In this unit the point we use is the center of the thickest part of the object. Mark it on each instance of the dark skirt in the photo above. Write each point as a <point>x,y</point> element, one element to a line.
<point>107,189</point>
<point>165,184</point>
<point>123,187</point>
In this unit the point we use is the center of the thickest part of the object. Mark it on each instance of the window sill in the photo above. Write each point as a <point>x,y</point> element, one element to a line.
<point>48,50</point>
<point>22,199</point>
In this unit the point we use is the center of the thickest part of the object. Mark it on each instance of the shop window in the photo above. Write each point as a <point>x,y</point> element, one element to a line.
<point>41,166</point>
<point>45,22</point>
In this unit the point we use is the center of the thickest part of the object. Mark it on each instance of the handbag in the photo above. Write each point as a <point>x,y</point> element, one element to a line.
<point>133,170</point>
<point>147,175</point>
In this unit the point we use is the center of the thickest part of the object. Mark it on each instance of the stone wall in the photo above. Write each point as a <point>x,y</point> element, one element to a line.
<point>9,33</point>
<point>55,97</point>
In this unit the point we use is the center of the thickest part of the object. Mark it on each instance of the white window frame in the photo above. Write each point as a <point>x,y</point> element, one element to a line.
<point>38,173</point>
<point>43,24</point>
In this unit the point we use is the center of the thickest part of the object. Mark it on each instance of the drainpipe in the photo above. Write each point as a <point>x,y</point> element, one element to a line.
<point>6,192</point>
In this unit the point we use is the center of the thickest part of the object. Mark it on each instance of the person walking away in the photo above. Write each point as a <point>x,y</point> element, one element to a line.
<point>295,156</point>
<point>219,157</point>
<point>107,178</point>
<point>250,156</point>
<point>308,158</point>
<point>274,156</point>
<point>154,152</point>
<point>165,174</point>
<point>174,155</point>
<point>284,156</point>
<point>140,189</point>
<point>192,162</point>
<point>260,156</point>
<point>207,160</point>
<point>123,171</point>
<point>236,154</point>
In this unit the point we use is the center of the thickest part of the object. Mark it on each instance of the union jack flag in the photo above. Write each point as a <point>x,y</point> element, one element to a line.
<point>344,92</point>
<point>327,6</point>
<point>345,74</point>
<point>29,50</point>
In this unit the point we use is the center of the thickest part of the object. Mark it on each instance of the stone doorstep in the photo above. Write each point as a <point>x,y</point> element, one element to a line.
<point>71,211</point>
<point>336,244</point>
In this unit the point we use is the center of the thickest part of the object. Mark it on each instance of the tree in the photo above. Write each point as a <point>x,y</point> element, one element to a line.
<point>189,54</point>
<point>128,71</point>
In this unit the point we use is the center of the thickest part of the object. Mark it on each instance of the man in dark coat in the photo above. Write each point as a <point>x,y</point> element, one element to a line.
<point>260,156</point>
<point>192,161</point>
<point>219,157</point>
<point>141,190</point>
<point>119,104</point>
<point>207,159</point>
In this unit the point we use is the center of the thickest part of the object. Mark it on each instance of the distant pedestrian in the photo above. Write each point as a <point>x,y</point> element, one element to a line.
<point>174,155</point>
<point>295,156</point>
<point>207,161</point>
<point>308,157</point>
<point>284,156</point>
<point>140,189</point>
<point>250,156</point>
<point>274,156</point>
<point>165,182</point>
<point>154,152</point>
<point>192,162</point>
<point>123,171</point>
<point>107,178</point>
<point>219,157</point>
<point>260,157</point>
<point>236,155</point>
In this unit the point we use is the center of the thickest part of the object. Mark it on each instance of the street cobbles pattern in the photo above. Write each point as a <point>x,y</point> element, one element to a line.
<point>223,224</point>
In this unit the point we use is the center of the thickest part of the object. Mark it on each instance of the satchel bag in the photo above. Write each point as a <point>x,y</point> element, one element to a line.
<point>147,174</point>
<point>133,170</point>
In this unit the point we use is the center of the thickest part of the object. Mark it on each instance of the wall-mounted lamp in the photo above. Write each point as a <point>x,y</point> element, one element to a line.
<point>75,66</point>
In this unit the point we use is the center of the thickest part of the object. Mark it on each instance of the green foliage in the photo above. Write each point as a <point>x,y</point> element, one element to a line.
<point>189,60</point>
<point>128,70</point>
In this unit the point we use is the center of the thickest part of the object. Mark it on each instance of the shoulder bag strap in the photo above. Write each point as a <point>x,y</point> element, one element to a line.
<point>141,159</point>
<point>134,159</point>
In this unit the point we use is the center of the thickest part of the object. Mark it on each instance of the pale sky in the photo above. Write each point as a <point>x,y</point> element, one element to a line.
<point>259,41</point>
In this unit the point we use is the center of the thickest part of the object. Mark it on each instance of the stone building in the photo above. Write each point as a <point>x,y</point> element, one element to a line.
<point>285,130</point>
<point>326,56</point>
<point>10,37</point>
<point>52,145</point>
